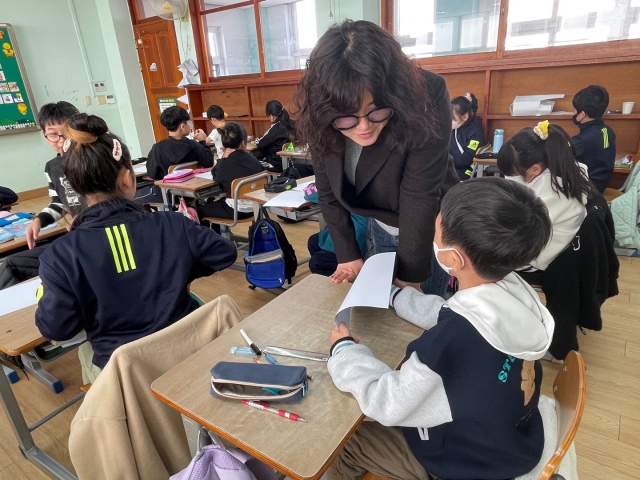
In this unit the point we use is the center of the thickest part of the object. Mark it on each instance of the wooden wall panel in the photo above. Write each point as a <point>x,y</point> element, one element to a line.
<point>261,95</point>
<point>261,127</point>
<point>232,100</point>
<point>461,83</point>
<point>620,79</point>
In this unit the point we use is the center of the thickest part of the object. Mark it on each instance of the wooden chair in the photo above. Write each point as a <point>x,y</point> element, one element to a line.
<point>570,393</point>
<point>239,188</point>
<point>610,194</point>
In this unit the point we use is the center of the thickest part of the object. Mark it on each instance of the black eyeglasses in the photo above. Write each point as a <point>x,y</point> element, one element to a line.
<point>54,137</point>
<point>348,122</point>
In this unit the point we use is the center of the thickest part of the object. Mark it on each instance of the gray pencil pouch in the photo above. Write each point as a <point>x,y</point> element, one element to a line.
<point>254,381</point>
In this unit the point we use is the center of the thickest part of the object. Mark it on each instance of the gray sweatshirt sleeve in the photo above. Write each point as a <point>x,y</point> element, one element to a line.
<point>413,396</point>
<point>415,307</point>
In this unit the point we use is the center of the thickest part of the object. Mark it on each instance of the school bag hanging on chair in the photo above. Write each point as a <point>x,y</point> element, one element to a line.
<point>271,259</point>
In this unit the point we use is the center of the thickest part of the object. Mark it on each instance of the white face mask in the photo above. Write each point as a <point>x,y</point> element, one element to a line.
<point>455,125</point>
<point>437,250</point>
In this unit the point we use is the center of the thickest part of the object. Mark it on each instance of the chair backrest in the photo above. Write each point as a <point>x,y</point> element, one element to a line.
<point>569,392</point>
<point>241,186</point>
<point>183,166</point>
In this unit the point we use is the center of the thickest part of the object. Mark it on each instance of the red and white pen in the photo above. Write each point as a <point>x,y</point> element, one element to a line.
<point>267,408</point>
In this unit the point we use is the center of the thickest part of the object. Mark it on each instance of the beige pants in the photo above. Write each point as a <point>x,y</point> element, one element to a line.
<point>381,450</point>
<point>89,371</point>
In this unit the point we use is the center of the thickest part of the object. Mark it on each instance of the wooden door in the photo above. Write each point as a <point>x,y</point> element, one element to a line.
<point>159,58</point>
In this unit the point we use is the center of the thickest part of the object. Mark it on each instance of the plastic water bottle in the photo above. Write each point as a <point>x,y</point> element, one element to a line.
<point>498,138</point>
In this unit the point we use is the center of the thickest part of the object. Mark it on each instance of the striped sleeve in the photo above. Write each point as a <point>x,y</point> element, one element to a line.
<point>55,210</point>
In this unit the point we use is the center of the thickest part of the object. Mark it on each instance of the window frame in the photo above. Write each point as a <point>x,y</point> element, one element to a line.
<point>628,49</point>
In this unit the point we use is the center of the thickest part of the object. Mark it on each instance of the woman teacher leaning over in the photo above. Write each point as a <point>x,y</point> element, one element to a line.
<point>378,129</point>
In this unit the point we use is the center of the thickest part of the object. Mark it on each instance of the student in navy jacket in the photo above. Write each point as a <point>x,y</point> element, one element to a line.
<point>464,405</point>
<point>596,143</point>
<point>281,131</point>
<point>235,164</point>
<point>177,147</point>
<point>120,274</point>
<point>467,134</point>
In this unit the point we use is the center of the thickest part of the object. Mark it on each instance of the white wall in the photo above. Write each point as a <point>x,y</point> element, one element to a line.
<point>54,63</point>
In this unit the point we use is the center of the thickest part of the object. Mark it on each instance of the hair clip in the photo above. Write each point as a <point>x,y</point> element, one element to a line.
<point>66,144</point>
<point>468,96</point>
<point>542,129</point>
<point>117,150</point>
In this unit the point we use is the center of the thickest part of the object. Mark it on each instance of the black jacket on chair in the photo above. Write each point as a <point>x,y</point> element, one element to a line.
<point>581,278</point>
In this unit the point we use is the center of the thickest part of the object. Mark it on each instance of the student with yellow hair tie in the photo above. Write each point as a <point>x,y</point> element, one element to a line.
<point>120,274</point>
<point>543,159</point>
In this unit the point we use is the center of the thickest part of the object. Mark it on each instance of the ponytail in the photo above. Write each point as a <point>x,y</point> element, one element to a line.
<point>550,146</point>
<point>561,162</point>
<point>93,156</point>
<point>275,108</point>
<point>465,104</point>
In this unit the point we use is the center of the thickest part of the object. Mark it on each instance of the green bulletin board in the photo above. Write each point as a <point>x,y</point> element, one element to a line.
<point>17,109</point>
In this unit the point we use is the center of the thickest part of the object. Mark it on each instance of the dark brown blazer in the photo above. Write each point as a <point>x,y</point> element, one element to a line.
<point>400,189</point>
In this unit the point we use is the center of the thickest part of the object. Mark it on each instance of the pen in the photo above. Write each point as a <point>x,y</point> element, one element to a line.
<point>283,413</point>
<point>250,343</point>
<point>271,359</point>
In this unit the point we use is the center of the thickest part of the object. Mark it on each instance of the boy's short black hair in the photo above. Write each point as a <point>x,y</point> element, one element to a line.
<point>592,100</point>
<point>499,224</point>
<point>56,113</point>
<point>216,112</point>
<point>172,117</point>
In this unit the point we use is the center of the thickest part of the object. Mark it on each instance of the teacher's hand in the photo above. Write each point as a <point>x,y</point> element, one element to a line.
<point>400,284</point>
<point>347,272</point>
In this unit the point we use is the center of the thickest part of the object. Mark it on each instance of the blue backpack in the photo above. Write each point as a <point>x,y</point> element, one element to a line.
<point>271,259</point>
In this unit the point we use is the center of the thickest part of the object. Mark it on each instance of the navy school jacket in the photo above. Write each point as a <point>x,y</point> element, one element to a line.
<point>491,437</point>
<point>122,274</point>
<point>596,147</point>
<point>463,145</point>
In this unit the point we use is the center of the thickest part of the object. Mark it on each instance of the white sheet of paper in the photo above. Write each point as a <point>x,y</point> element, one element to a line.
<point>371,288</point>
<point>19,296</point>
<point>301,186</point>
<point>206,176</point>
<point>292,199</point>
<point>140,168</point>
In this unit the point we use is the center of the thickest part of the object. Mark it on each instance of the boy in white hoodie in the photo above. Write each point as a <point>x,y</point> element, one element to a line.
<point>467,395</point>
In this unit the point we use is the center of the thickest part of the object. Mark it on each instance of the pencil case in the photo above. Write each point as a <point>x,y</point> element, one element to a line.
<point>253,381</point>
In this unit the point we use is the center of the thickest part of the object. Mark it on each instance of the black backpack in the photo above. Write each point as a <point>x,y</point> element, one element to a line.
<point>271,259</point>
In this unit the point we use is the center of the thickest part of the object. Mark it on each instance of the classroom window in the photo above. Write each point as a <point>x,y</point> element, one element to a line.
<point>232,42</point>
<point>570,22</point>
<point>427,28</point>
<point>291,28</point>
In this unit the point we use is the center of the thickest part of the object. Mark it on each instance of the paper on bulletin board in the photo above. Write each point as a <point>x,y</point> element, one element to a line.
<point>167,102</point>
<point>371,288</point>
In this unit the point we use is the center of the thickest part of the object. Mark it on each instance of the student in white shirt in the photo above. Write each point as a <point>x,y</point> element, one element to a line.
<point>543,159</point>
<point>216,116</point>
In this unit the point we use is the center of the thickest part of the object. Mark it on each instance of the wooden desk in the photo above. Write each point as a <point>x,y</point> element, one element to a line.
<point>200,188</point>
<point>19,334</point>
<point>251,147</point>
<point>11,245</point>
<point>301,318</point>
<point>261,197</point>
